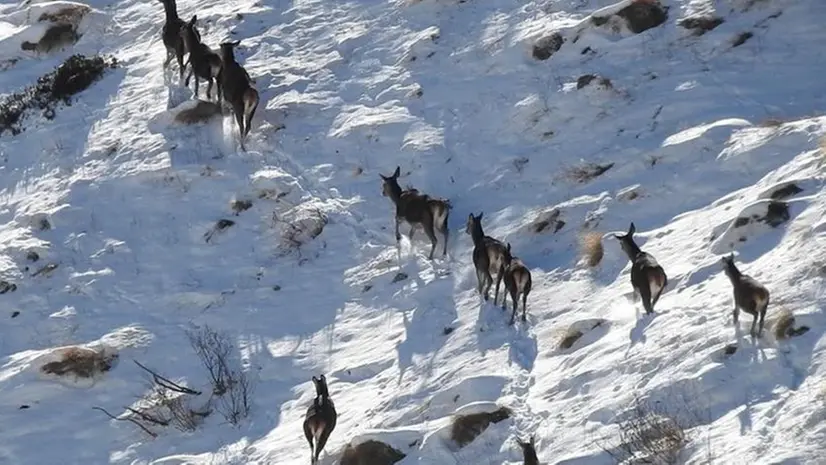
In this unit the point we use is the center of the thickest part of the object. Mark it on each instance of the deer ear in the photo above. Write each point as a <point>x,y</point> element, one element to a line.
<point>315,380</point>
<point>481,214</point>
<point>509,247</point>
<point>235,43</point>
<point>323,378</point>
<point>632,229</point>
<point>532,440</point>
<point>397,172</point>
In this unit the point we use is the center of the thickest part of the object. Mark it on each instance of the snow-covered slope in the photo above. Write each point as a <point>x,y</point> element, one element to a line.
<point>699,133</point>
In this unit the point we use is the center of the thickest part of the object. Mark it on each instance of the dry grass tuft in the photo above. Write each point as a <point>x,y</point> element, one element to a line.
<point>81,362</point>
<point>466,428</point>
<point>591,248</point>
<point>586,172</point>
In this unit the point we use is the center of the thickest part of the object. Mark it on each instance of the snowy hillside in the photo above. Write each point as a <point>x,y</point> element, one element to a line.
<point>123,229</point>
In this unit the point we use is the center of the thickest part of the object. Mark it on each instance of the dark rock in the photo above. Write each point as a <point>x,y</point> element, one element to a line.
<point>643,15</point>
<point>786,192</point>
<point>547,46</point>
<point>741,39</point>
<point>699,25</point>
<point>400,276</point>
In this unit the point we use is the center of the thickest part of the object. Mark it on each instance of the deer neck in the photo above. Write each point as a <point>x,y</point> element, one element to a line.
<point>733,273</point>
<point>395,192</point>
<point>171,11</point>
<point>477,234</point>
<point>632,250</point>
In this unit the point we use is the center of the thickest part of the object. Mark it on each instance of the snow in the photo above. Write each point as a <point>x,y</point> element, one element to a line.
<point>702,132</point>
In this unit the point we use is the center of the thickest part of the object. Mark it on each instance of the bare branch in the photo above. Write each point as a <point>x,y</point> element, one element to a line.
<point>164,382</point>
<point>132,420</point>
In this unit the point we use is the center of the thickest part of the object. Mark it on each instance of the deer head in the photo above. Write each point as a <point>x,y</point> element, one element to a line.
<point>390,184</point>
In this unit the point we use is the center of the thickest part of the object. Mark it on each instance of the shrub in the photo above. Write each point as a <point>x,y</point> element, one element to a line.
<point>591,248</point>
<point>76,74</point>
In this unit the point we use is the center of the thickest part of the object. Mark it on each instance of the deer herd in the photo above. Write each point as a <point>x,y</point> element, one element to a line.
<point>231,80</point>
<point>490,255</point>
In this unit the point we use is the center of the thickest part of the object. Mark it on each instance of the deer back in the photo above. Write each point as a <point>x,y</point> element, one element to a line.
<point>517,275</point>
<point>749,294</point>
<point>413,207</point>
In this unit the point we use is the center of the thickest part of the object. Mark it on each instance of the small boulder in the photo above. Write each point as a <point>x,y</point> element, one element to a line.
<point>80,362</point>
<point>545,47</point>
<point>699,25</point>
<point>643,15</point>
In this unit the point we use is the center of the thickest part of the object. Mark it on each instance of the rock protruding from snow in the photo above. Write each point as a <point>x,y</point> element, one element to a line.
<point>371,453</point>
<point>197,111</point>
<point>637,15</point>
<point>545,47</point>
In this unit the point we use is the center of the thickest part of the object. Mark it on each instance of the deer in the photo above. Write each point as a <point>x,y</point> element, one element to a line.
<point>528,451</point>
<point>517,282</point>
<point>416,209</point>
<point>647,277</point>
<point>749,295</point>
<point>488,257</point>
<point>237,88</point>
<point>171,36</point>
<point>320,420</point>
<point>206,64</point>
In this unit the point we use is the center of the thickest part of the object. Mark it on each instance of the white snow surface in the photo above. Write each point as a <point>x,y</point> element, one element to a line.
<point>701,131</point>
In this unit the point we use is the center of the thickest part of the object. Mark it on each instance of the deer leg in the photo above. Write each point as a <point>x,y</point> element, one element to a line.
<point>480,281</point>
<point>736,314</point>
<point>189,75</point>
<point>498,282</point>
<point>754,326</point>
<point>196,85</point>
<point>645,294</point>
<point>446,234</point>
<point>322,441</point>
<point>410,234</point>
<point>428,229</point>
<point>488,284</point>
<point>209,89</point>
<point>515,306</point>
<point>762,322</point>
<point>524,305</point>
<point>309,435</point>
<point>169,55</point>
<point>179,54</point>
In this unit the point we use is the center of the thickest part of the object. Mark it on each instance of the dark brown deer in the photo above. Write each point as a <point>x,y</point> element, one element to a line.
<point>488,257</point>
<point>528,451</point>
<point>206,64</point>
<point>647,277</point>
<point>236,85</point>
<point>749,295</point>
<point>320,420</point>
<point>417,209</point>
<point>517,282</point>
<point>171,35</point>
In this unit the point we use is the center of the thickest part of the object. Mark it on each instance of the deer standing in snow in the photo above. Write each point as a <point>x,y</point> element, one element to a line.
<point>171,35</point>
<point>647,277</point>
<point>749,295</point>
<point>417,209</point>
<point>488,257</point>
<point>206,64</point>
<point>517,282</point>
<point>528,451</point>
<point>320,420</point>
<point>236,85</point>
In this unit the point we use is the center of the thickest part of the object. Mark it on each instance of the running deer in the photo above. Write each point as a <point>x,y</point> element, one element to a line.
<point>171,35</point>
<point>320,420</point>
<point>236,85</point>
<point>488,257</point>
<point>417,209</point>
<point>206,64</point>
<point>528,451</point>
<point>647,277</point>
<point>517,282</point>
<point>749,295</point>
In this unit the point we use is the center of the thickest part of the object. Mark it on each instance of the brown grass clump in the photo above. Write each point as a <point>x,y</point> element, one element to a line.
<point>586,172</point>
<point>202,111</point>
<point>466,428</point>
<point>591,248</point>
<point>371,453</point>
<point>784,326</point>
<point>80,362</point>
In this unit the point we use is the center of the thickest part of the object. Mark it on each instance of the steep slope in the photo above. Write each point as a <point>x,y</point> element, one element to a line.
<point>698,132</point>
